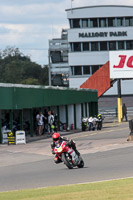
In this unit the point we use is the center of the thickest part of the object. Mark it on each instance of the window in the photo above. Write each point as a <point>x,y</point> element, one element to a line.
<point>94,46</point>
<point>112,45</point>
<point>86,69</point>
<point>129,44</point>
<point>120,21</point>
<point>84,23</point>
<point>102,22</point>
<point>77,70</point>
<point>71,23</point>
<point>95,68</point>
<point>111,22</point>
<point>120,45</point>
<point>77,46</point>
<point>85,46</point>
<point>71,47</point>
<point>128,21</point>
<point>76,23</point>
<point>103,46</point>
<point>72,70</point>
<point>93,22</point>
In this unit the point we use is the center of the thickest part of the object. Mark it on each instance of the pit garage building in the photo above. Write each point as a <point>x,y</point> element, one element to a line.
<point>70,105</point>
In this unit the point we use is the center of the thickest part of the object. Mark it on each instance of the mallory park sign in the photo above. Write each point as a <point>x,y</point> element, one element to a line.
<point>103,34</point>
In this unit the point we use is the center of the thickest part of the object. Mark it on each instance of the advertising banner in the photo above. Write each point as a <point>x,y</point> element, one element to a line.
<point>11,138</point>
<point>121,64</point>
<point>20,137</point>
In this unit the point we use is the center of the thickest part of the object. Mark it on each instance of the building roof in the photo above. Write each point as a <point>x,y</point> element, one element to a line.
<point>17,96</point>
<point>98,6</point>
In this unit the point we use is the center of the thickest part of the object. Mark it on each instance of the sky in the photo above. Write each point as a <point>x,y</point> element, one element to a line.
<point>30,24</point>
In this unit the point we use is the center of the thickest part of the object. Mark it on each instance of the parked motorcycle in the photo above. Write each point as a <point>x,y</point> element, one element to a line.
<point>84,123</point>
<point>67,155</point>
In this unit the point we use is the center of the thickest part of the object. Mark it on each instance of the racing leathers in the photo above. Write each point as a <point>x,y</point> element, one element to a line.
<point>70,143</point>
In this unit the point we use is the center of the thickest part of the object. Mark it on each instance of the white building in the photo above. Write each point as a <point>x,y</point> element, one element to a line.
<point>58,61</point>
<point>94,31</point>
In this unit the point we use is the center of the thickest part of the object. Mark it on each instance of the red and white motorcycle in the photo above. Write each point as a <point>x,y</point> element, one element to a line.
<point>68,155</point>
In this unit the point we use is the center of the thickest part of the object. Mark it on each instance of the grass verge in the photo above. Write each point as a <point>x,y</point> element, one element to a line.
<point>107,190</point>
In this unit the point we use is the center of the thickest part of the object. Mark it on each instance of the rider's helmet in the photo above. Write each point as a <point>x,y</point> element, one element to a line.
<point>56,137</point>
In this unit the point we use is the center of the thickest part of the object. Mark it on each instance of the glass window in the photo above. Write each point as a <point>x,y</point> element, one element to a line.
<point>93,22</point>
<point>112,45</point>
<point>120,45</point>
<point>128,21</point>
<point>85,46</point>
<point>77,46</point>
<point>129,44</point>
<point>71,47</point>
<point>103,46</point>
<point>77,70</point>
<point>70,22</point>
<point>102,22</point>
<point>95,68</point>
<point>72,70</point>
<point>86,69</point>
<point>111,21</point>
<point>84,23</point>
<point>76,23</point>
<point>120,21</point>
<point>94,46</point>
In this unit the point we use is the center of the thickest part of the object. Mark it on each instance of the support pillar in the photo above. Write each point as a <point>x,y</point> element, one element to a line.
<point>119,101</point>
<point>75,123</point>
<point>11,119</point>
<point>31,122</point>
<point>85,109</point>
<point>82,110</point>
<point>0,128</point>
<point>58,117</point>
<point>21,119</point>
<point>66,107</point>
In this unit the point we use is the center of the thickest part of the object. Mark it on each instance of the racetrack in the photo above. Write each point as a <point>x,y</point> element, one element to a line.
<point>105,153</point>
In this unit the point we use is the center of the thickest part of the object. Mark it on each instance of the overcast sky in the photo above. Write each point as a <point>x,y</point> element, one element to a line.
<point>29,24</point>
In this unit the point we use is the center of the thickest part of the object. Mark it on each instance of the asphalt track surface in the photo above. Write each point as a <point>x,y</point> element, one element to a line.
<point>106,153</point>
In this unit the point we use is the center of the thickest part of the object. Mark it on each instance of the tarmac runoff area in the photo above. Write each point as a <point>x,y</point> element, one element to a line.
<point>112,136</point>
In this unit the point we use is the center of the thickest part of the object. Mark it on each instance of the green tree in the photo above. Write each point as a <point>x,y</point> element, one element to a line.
<point>15,67</point>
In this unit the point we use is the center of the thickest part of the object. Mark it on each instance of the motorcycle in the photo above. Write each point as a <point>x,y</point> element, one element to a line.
<point>84,123</point>
<point>67,155</point>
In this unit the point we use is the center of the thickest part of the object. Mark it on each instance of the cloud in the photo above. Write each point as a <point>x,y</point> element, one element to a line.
<point>79,3</point>
<point>29,24</point>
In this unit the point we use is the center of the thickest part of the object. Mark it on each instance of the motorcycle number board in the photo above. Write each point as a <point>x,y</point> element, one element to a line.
<point>121,64</point>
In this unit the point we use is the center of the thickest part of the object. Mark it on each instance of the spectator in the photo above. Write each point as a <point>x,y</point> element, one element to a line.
<point>50,121</point>
<point>124,110</point>
<point>40,123</point>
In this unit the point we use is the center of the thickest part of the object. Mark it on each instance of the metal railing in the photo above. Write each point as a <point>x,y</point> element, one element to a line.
<point>113,112</point>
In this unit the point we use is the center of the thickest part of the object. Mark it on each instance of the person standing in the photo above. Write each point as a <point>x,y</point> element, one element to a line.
<point>50,121</point>
<point>40,122</point>
<point>124,110</point>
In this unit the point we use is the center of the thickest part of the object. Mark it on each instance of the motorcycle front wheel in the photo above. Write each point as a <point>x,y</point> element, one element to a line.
<point>81,165</point>
<point>66,161</point>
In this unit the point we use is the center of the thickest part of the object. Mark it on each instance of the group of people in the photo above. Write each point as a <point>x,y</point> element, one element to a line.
<point>45,122</point>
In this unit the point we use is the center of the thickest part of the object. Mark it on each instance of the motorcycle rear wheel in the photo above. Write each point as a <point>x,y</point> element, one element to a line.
<point>66,161</point>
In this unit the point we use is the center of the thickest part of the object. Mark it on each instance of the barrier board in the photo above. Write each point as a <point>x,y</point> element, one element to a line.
<point>20,137</point>
<point>5,136</point>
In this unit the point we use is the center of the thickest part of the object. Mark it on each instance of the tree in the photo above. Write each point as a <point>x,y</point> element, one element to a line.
<point>15,67</point>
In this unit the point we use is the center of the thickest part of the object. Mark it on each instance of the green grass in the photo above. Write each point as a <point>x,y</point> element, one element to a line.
<point>108,190</point>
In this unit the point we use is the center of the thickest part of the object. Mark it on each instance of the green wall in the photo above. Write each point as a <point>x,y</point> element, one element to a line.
<point>19,97</point>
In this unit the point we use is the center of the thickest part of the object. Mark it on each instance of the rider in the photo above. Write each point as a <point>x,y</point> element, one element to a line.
<point>58,139</point>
